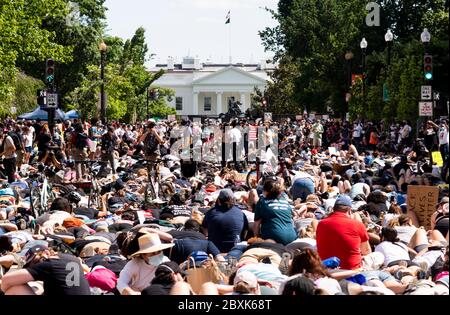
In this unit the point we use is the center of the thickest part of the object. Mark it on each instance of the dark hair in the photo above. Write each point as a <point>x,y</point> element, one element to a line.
<point>177,199</point>
<point>308,261</point>
<point>395,208</point>
<point>5,245</point>
<point>299,286</point>
<point>61,204</point>
<point>403,219</point>
<point>273,189</point>
<point>389,234</point>
<point>191,225</point>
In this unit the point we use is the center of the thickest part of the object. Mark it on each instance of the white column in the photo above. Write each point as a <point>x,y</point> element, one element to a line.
<point>244,105</point>
<point>219,103</point>
<point>195,103</point>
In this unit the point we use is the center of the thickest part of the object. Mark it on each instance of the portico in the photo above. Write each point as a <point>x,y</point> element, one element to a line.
<point>209,93</point>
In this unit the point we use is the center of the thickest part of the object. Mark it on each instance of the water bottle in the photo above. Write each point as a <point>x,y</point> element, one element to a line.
<point>332,262</point>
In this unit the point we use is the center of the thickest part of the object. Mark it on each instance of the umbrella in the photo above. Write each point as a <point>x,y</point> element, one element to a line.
<point>72,114</point>
<point>41,114</point>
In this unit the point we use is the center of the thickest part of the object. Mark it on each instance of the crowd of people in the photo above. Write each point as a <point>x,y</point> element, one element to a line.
<point>335,222</point>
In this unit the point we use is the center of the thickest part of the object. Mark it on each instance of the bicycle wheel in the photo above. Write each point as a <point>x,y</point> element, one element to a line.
<point>252,179</point>
<point>35,196</point>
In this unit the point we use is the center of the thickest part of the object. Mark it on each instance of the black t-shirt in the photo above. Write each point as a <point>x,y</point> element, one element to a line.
<point>88,212</point>
<point>157,289</point>
<point>187,234</point>
<point>63,276</point>
<point>176,211</point>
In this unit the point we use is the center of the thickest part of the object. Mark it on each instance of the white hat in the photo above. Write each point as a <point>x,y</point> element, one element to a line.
<point>150,243</point>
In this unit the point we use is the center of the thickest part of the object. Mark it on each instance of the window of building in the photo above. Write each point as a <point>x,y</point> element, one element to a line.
<point>179,103</point>
<point>207,106</point>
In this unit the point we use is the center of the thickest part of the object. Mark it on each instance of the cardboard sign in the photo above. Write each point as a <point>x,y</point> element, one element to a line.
<point>437,158</point>
<point>423,201</point>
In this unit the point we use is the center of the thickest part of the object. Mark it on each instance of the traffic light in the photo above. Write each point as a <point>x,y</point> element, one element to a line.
<point>428,67</point>
<point>50,72</point>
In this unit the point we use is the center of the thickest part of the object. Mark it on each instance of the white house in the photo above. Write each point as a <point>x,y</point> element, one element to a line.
<point>206,89</point>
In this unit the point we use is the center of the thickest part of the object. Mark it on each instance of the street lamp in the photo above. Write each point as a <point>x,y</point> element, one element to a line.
<point>425,37</point>
<point>363,46</point>
<point>389,37</point>
<point>102,48</point>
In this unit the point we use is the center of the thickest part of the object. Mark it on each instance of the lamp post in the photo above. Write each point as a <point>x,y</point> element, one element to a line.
<point>348,57</point>
<point>425,38</point>
<point>363,46</point>
<point>388,37</point>
<point>102,48</point>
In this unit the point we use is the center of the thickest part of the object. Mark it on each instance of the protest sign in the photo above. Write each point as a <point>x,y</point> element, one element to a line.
<point>437,158</point>
<point>423,200</point>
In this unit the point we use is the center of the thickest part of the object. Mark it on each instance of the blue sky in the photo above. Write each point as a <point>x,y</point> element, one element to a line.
<point>178,27</point>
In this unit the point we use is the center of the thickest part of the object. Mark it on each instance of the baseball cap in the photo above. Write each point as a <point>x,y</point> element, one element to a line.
<point>343,201</point>
<point>247,277</point>
<point>32,252</point>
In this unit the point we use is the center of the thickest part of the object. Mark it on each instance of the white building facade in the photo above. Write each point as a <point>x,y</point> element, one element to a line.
<point>207,89</point>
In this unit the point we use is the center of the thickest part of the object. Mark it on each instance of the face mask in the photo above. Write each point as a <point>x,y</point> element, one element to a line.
<point>155,260</point>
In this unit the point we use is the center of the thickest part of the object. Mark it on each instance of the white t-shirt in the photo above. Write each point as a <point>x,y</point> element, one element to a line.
<point>443,135</point>
<point>328,284</point>
<point>357,131</point>
<point>137,275</point>
<point>405,233</point>
<point>392,251</point>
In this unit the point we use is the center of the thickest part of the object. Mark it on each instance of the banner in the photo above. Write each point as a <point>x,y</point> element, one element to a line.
<point>171,117</point>
<point>422,200</point>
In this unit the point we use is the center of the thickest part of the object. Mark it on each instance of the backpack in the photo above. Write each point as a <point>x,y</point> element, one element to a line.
<point>81,141</point>
<point>151,144</point>
<point>17,143</point>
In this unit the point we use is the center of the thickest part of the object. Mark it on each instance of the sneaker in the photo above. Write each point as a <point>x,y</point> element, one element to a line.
<point>284,264</point>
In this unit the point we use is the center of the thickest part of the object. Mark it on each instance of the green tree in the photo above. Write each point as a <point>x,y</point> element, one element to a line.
<point>22,38</point>
<point>80,27</point>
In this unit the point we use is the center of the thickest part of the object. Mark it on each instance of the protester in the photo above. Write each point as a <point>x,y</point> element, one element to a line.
<point>328,213</point>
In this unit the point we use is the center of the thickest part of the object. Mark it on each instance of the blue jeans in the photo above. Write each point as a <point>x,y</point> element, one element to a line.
<point>301,188</point>
<point>377,275</point>
<point>236,251</point>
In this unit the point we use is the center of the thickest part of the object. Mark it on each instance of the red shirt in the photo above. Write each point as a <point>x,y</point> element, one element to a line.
<point>340,236</point>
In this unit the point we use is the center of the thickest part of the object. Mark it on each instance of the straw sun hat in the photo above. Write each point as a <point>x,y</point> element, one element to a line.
<point>150,243</point>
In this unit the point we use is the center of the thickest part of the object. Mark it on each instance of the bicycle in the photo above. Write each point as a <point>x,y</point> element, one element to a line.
<point>254,175</point>
<point>152,188</point>
<point>94,197</point>
<point>42,193</point>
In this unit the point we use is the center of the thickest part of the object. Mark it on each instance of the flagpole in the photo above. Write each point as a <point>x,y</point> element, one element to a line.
<point>229,45</point>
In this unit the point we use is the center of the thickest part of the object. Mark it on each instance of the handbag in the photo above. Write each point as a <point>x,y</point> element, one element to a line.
<point>208,272</point>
